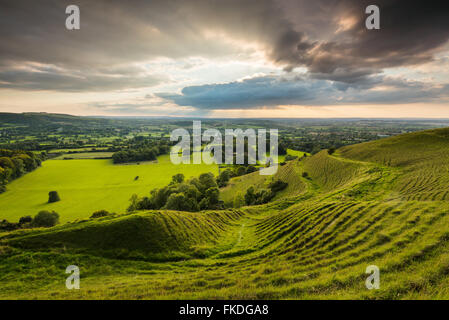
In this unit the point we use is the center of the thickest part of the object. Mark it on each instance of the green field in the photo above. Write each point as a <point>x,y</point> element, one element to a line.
<point>380,203</point>
<point>88,185</point>
<point>85,155</point>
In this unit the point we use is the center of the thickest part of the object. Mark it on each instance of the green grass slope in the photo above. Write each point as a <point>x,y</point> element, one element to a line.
<point>291,173</point>
<point>355,211</point>
<point>149,235</point>
<point>422,157</point>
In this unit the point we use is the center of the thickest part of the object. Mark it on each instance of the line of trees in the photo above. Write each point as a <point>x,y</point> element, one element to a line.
<point>141,152</point>
<point>15,163</point>
<point>44,219</point>
<point>193,195</point>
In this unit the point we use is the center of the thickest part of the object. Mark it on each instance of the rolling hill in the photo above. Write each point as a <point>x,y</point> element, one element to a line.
<point>380,203</point>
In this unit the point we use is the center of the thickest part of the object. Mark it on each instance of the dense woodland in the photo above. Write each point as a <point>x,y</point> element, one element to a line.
<point>15,163</point>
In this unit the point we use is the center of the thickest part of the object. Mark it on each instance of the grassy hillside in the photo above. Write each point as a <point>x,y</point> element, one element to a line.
<point>355,210</point>
<point>422,157</point>
<point>290,173</point>
<point>88,185</point>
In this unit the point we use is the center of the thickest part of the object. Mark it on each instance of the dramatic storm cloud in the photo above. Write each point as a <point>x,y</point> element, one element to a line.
<point>288,52</point>
<point>274,91</point>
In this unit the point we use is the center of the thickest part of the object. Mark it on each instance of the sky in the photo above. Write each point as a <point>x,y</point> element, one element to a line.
<point>226,58</point>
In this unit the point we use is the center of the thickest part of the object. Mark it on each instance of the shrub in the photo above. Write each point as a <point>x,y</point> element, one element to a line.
<point>53,196</point>
<point>289,157</point>
<point>250,197</point>
<point>99,214</point>
<point>46,219</point>
<point>224,177</point>
<point>278,185</point>
<point>177,178</point>
<point>330,151</point>
<point>305,175</point>
<point>240,171</point>
<point>24,220</point>
<point>8,226</point>
<point>251,169</point>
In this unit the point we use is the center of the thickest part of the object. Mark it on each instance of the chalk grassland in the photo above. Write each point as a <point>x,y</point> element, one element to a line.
<point>290,174</point>
<point>88,185</point>
<point>355,209</point>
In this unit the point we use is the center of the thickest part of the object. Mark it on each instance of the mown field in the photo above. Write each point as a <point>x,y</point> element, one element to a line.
<point>379,203</point>
<point>88,185</point>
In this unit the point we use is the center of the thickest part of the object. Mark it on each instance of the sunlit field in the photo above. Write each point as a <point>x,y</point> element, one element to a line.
<point>88,185</point>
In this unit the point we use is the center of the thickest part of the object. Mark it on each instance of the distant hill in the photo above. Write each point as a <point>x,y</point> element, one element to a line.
<point>43,119</point>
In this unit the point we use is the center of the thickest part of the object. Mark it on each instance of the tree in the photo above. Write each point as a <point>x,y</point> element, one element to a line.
<point>204,204</point>
<point>290,157</point>
<point>53,196</point>
<point>251,169</point>
<point>161,195</point>
<point>145,203</point>
<point>241,171</point>
<point>264,196</point>
<point>223,178</point>
<point>177,178</point>
<point>239,200</point>
<point>250,197</point>
<point>282,150</point>
<point>46,219</point>
<point>133,206</point>
<point>277,185</point>
<point>207,181</point>
<point>99,214</point>
<point>212,195</point>
<point>178,201</point>
<point>24,220</point>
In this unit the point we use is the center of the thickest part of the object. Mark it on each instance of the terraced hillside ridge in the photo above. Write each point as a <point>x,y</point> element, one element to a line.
<point>380,203</point>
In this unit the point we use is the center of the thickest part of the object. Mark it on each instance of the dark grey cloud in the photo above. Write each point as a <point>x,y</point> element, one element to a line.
<point>114,34</point>
<point>410,33</point>
<point>272,91</point>
<point>48,78</point>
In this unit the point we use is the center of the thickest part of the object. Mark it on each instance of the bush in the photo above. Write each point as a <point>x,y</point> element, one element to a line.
<point>240,171</point>
<point>289,157</point>
<point>25,220</point>
<point>46,219</point>
<point>305,175</point>
<point>177,178</point>
<point>8,226</point>
<point>224,177</point>
<point>330,151</point>
<point>99,214</point>
<point>278,185</point>
<point>53,196</point>
<point>251,169</point>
